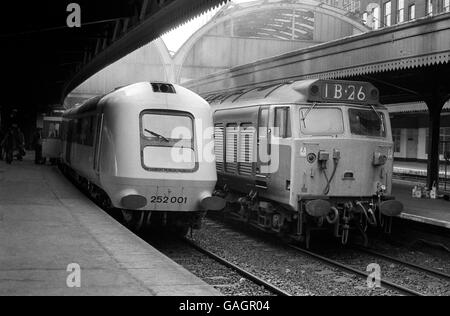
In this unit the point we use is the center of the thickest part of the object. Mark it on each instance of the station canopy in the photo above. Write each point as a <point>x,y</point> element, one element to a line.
<point>41,54</point>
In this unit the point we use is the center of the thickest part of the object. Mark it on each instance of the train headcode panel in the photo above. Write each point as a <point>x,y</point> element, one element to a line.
<point>339,91</point>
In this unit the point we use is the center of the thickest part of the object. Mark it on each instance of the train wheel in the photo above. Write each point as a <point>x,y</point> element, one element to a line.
<point>134,220</point>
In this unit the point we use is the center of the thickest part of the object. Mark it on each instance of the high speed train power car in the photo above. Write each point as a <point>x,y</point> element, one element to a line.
<point>306,155</point>
<point>140,149</point>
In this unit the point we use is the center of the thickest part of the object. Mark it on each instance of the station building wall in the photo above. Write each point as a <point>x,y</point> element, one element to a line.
<point>410,133</point>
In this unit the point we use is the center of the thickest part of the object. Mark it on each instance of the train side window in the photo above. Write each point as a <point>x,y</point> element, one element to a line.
<point>78,131</point>
<point>65,130</point>
<point>62,132</point>
<point>282,123</point>
<point>264,130</point>
<point>264,118</point>
<point>70,127</point>
<point>84,131</point>
<point>90,137</point>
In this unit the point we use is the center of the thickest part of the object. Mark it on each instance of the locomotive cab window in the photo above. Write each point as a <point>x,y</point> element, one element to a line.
<point>321,121</point>
<point>282,123</point>
<point>168,141</point>
<point>264,118</point>
<point>367,123</point>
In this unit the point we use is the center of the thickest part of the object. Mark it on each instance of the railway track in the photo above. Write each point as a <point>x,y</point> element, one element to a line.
<point>360,273</point>
<point>434,272</point>
<point>397,279</point>
<point>289,254</point>
<point>244,273</point>
<point>225,276</point>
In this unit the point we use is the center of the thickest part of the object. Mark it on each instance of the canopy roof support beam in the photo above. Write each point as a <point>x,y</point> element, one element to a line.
<point>435,103</point>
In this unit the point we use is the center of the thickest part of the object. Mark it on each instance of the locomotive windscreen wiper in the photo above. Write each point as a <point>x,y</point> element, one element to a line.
<point>306,114</point>
<point>158,135</point>
<point>379,117</point>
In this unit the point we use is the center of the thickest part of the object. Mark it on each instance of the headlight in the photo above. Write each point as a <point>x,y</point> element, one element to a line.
<point>379,159</point>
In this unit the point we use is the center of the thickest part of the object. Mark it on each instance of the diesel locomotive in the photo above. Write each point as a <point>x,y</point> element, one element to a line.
<point>307,155</point>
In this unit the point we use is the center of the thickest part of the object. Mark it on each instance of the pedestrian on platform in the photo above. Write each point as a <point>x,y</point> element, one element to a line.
<point>2,135</point>
<point>9,143</point>
<point>20,144</point>
<point>37,144</point>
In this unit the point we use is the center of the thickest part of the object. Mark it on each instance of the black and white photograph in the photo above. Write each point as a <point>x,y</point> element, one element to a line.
<point>220,155</point>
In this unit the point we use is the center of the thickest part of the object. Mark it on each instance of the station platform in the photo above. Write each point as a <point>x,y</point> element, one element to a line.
<point>46,224</point>
<point>419,169</point>
<point>427,211</point>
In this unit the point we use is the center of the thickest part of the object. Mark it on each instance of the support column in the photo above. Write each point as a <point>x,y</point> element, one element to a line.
<point>435,106</point>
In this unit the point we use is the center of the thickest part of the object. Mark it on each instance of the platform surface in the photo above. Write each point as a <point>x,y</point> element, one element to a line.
<point>428,211</point>
<point>46,224</point>
<point>417,168</point>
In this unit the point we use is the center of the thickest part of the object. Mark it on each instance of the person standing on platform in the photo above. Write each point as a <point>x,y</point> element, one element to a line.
<point>9,143</point>
<point>20,143</point>
<point>37,143</point>
<point>2,135</point>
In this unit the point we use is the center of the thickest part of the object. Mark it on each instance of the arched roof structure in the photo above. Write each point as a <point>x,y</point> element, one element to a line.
<point>275,20</point>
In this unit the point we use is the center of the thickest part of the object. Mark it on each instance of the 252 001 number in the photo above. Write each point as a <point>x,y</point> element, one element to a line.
<point>168,200</point>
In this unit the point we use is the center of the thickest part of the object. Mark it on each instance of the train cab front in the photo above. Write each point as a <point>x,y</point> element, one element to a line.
<point>169,181</point>
<point>174,203</point>
<point>345,151</point>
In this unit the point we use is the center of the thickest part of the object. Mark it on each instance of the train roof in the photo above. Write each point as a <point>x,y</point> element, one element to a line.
<point>92,104</point>
<point>88,106</point>
<point>304,91</point>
